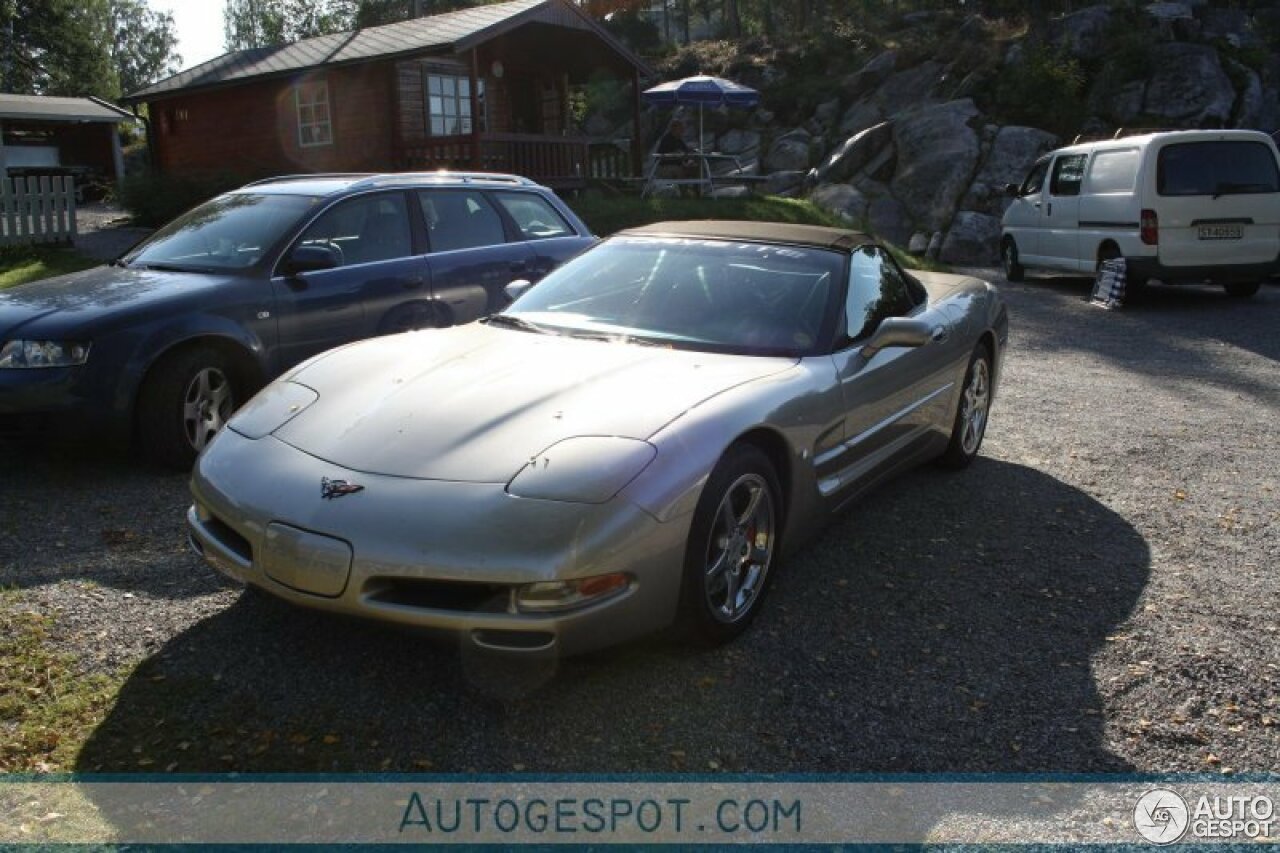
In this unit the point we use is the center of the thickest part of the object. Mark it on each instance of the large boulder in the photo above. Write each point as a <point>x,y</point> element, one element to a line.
<point>973,240</point>
<point>907,90</point>
<point>738,141</point>
<point>789,152</point>
<point>1249,113</point>
<point>1082,33</point>
<point>889,220</point>
<point>1013,151</point>
<point>854,153</point>
<point>860,116</point>
<point>842,200</point>
<point>784,183</point>
<point>937,155</point>
<point>1188,86</point>
<point>871,75</point>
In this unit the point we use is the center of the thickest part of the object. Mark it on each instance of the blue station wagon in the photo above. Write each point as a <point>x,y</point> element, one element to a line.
<point>166,342</point>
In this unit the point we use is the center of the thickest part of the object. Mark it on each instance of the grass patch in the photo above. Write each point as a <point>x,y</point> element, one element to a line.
<point>607,214</point>
<point>31,263</point>
<point>48,708</point>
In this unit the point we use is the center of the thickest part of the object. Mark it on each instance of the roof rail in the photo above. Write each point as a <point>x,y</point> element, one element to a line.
<point>307,175</point>
<point>445,175</point>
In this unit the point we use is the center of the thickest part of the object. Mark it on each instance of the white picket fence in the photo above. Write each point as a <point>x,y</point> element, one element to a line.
<point>37,210</point>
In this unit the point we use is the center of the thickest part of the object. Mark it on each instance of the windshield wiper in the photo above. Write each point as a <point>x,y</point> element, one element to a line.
<point>513,322</point>
<point>166,267</point>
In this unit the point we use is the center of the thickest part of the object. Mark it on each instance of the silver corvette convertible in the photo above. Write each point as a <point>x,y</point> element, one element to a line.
<point>632,442</point>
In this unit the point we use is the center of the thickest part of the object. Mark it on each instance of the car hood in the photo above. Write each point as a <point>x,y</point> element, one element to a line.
<point>474,403</point>
<point>81,298</point>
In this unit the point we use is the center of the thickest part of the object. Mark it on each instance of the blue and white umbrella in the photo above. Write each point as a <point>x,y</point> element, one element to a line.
<point>703,91</point>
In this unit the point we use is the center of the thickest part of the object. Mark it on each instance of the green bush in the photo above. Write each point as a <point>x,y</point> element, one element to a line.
<point>1045,90</point>
<point>153,199</point>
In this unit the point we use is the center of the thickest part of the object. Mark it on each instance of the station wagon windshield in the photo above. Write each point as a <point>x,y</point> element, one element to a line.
<point>230,232</point>
<point>715,295</point>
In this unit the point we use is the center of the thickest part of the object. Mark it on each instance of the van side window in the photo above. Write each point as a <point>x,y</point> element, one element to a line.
<point>1112,172</point>
<point>1068,172</point>
<point>1035,180</point>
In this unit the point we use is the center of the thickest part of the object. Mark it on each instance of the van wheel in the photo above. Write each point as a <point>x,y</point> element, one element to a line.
<point>1241,289</point>
<point>1013,271</point>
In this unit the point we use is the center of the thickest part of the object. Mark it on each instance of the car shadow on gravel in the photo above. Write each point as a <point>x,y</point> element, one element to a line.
<point>946,624</point>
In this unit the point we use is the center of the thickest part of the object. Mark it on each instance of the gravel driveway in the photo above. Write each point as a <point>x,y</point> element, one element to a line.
<point>1097,593</point>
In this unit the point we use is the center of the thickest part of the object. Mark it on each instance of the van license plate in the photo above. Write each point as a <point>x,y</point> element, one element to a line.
<point>1220,232</point>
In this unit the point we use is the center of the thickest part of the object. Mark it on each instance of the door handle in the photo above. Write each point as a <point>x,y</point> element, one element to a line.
<point>1037,205</point>
<point>939,334</point>
<point>519,266</point>
<point>1050,213</point>
<point>413,283</point>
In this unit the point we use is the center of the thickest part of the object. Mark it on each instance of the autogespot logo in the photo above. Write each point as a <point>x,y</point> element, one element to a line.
<point>1161,816</point>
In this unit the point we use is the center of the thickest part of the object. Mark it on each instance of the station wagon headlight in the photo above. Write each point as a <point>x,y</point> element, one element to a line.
<point>272,408</point>
<point>28,354</point>
<point>589,469</point>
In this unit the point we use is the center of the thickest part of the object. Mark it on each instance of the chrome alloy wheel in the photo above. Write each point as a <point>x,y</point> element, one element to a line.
<point>740,548</point>
<point>206,407</point>
<point>974,406</point>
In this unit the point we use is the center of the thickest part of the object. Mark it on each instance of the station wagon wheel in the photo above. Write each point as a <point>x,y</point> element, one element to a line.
<point>970,425</point>
<point>733,543</point>
<point>186,399</point>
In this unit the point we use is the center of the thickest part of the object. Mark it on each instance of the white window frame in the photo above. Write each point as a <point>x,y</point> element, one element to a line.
<point>319,101</point>
<point>449,95</point>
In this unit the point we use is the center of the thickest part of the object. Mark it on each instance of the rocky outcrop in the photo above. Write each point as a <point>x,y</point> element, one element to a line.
<point>854,153</point>
<point>1189,87</point>
<point>842,200</point>
<point>971,240</point>
<point>937,155</point>
<point>790,152</point>
<point>1082,33</point>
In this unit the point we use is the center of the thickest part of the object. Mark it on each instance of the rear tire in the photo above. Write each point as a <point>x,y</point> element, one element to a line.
<point>1241,289</point>
<point>733,546</point>
<point>972,414</point>
<point>1013,271</point>
<point>186,399</point>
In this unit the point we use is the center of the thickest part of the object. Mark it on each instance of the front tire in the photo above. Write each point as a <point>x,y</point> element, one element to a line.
<point>1013,270</point>
<point>1241,289</point>
<point>187,398</point>
<point>733,544</point>
<point>970,425</point>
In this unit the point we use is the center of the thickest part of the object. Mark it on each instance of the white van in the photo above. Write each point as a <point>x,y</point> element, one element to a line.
<point>1183,206</point>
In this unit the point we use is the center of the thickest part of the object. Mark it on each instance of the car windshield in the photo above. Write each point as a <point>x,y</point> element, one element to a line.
<point>230,232</point>
<point>715,295</point>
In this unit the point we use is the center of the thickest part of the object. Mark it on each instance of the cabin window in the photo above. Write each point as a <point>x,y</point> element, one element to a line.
<point>314,125</point>
<point>449,104</point>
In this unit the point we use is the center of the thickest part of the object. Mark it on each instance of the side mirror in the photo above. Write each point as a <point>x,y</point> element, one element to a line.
<point>897,332</point>
<point>310,259</point>
<point>1011,190</point>
<point>518,288</point>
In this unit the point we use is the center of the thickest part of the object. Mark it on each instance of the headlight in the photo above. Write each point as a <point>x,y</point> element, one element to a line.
<point>22,354</point>
<point>589,469</point>
<point>548,596</point>
<point>275,406</point>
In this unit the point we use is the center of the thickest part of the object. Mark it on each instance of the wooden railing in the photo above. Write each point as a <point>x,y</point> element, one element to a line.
<point>558,161</point>
<point>37,210</point>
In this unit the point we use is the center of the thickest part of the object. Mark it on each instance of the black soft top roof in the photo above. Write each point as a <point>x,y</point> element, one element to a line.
<point>763,232</point>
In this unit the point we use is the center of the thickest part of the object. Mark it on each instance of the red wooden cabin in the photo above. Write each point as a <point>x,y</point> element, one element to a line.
<point>483,88</point>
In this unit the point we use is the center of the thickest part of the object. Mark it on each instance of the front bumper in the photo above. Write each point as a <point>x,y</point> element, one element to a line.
<point>429,554</point>
<point>56,400</point>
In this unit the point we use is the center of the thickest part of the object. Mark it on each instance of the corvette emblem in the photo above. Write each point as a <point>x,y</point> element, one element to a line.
<point>330,489</point>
